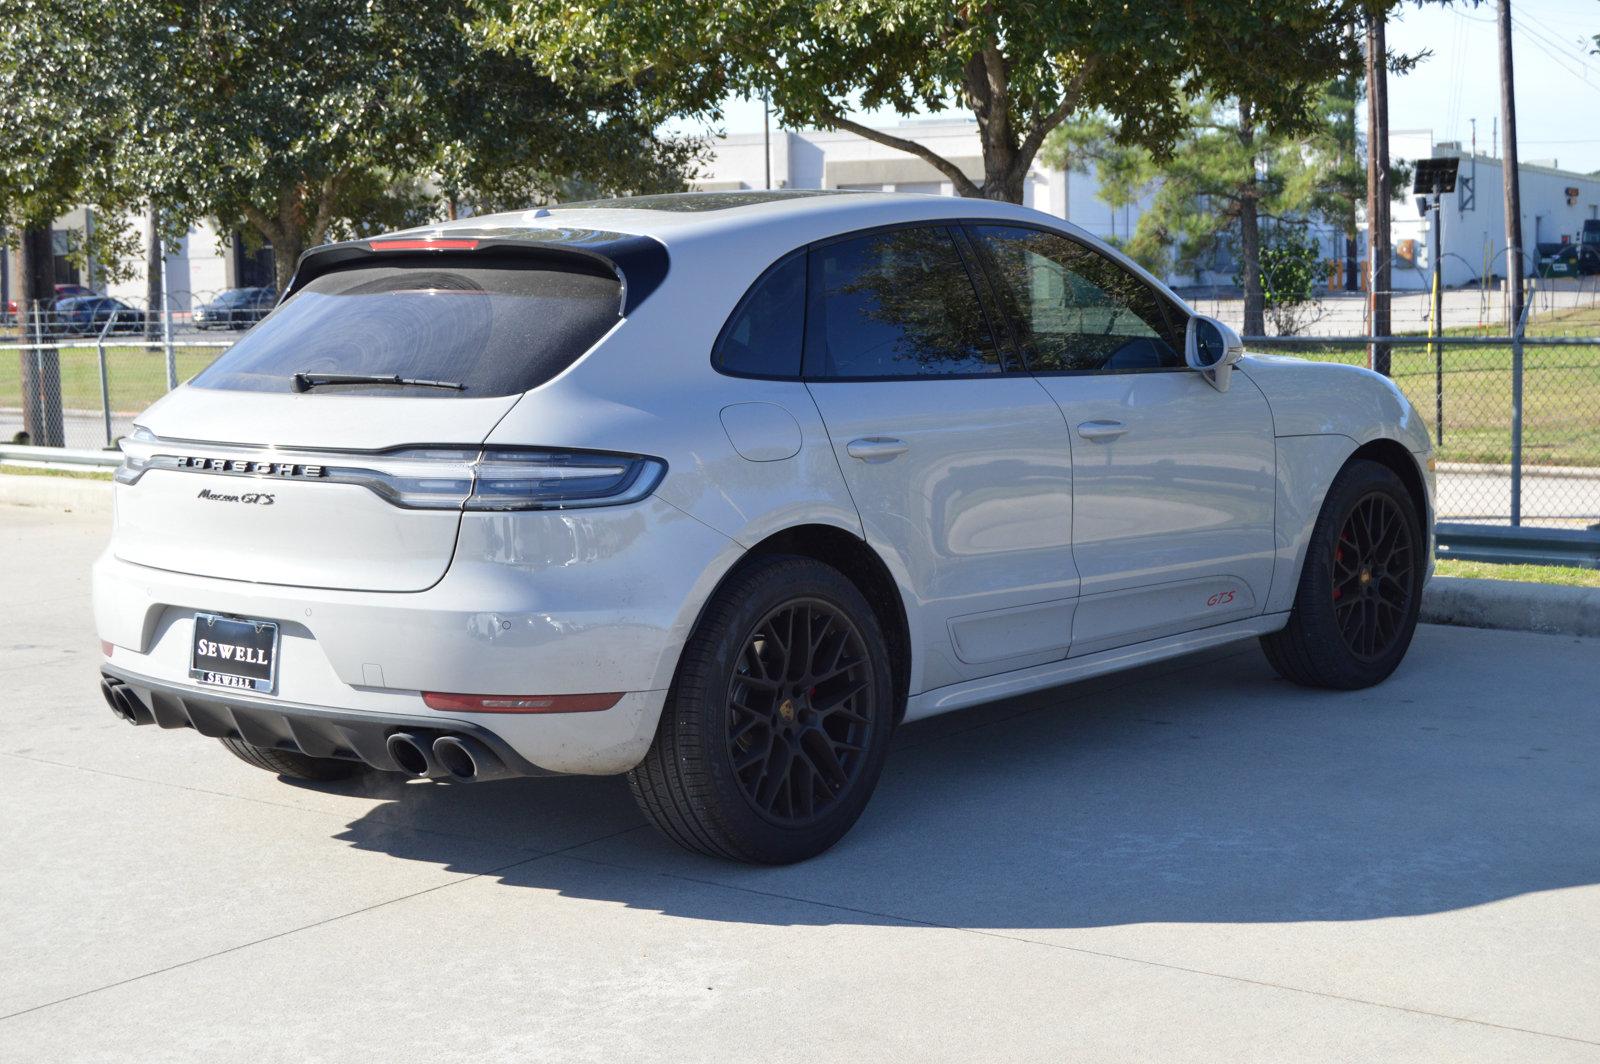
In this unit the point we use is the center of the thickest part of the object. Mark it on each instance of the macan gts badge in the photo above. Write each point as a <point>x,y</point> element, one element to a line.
<point>716,490</point>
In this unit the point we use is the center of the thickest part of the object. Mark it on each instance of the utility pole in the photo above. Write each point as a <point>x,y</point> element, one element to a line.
<point>1352,253</point>
<point>1378,193</point>
<point>1508,112</point>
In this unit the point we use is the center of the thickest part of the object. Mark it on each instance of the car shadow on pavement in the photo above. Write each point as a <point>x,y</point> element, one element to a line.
<point>1198,791</point>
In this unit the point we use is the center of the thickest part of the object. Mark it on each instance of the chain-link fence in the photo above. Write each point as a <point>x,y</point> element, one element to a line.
<point>1472,392</point>
<point>71,383</point>
<point>1480,308</point>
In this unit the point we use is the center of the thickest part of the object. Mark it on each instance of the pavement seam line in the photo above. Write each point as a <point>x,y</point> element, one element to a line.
<point>313,925</point>
<point>1090,952</point>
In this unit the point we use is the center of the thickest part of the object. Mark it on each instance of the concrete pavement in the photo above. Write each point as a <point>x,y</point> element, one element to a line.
<point>1195,862</point>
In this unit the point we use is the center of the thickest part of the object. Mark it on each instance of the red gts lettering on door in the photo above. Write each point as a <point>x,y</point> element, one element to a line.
<point>1221,598</point>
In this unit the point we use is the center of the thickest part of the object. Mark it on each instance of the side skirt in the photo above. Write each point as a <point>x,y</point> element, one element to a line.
<point>1056,673</point>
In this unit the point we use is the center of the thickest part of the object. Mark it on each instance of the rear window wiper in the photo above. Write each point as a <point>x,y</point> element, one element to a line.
<point>304,382</point>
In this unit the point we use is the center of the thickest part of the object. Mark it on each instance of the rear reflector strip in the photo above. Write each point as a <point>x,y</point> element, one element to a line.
<point>521,703</point>
<point>424,244</point>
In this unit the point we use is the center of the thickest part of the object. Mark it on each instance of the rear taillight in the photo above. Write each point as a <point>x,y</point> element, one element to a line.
<point>136,455</point>
<point>421,478</point>
<point>555,480</point>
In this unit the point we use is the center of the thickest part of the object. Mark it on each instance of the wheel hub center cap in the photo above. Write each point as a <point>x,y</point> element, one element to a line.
<point>786,709</point>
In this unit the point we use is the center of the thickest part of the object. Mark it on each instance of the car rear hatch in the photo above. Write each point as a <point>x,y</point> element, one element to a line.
<point>336,445</point>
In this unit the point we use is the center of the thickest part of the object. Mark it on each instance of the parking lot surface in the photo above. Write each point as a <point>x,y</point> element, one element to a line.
<point>1196,861</point>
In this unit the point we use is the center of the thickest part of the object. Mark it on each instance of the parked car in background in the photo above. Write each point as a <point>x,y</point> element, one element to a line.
<point>62,291</point>
<point>237,308</point>
<point>87,315</point>
<point>718,489</point>
<point>1568,260</point>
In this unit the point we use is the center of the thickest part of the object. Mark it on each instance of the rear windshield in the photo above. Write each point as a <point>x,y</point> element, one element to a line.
<point>495,326</point>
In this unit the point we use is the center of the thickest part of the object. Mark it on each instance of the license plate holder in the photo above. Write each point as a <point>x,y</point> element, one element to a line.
<point>234,652</point>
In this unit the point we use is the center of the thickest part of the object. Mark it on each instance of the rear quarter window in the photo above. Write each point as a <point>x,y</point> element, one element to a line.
<point>763,336</point>
<point>495,325</point>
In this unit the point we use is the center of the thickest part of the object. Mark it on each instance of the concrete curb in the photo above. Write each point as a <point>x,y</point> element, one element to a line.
<point>1549,608</point>
<point>1490,469</point>
<point>73,494</point>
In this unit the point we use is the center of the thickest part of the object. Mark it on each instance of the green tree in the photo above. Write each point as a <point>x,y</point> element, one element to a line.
<point>62,120</point>
<point>1019,67</point>
<point>1223,177</point>
<point>353,115</point>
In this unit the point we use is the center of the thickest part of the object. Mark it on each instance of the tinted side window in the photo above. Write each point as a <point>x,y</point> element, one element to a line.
<point>895,304</point>
<point>763,336</point>
<point>1075,308</point>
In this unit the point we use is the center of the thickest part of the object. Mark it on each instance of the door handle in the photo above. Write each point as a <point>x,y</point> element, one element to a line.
<point>1101,430</point>
<point>876,448</point>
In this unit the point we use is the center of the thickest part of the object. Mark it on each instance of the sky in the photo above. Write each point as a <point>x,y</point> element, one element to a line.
<point>1557,78</point>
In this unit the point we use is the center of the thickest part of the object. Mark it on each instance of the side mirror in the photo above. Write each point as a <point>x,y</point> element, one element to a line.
<point>1211,348</point>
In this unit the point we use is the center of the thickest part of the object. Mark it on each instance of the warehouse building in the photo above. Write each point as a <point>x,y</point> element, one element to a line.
<point>1555,205</point>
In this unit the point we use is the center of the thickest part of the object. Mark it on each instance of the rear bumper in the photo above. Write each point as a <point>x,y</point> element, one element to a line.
<point>533,604</point>
<point>315,731</point>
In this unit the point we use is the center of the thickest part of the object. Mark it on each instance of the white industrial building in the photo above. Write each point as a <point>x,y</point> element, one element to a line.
<point>1555,204</point>
<point>824,159</point>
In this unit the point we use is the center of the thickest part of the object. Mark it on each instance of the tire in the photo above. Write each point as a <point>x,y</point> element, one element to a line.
<point>295,766</point>
<point>750,762</point>
<point>1352,621</point>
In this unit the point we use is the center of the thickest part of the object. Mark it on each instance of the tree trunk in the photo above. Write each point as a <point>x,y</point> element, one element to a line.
<point>1255,302</point>
<point>155,296</point>
<point>286,251</point>
<point>1002,179</point>
<point>1378,193</point>
<point>40,366</point>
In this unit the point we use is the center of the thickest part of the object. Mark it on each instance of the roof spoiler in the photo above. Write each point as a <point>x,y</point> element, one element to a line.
<point>638,262</point>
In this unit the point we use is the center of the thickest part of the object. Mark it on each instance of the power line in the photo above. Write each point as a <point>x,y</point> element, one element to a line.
<point>1564,47</point>
<point>1554,57</point>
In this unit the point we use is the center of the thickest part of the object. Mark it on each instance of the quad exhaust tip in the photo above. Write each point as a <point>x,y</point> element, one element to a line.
<point>466,760</point>
<point>124,703</point>
<point>454,757</point>
<point>414,755</point>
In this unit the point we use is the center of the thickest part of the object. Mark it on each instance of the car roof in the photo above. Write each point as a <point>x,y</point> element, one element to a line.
<point>753,227</point>
<point>680,216</point>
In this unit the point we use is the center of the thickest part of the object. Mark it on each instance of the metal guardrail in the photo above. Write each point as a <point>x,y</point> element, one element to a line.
<point>1518,546</point>
<point>60,457</point>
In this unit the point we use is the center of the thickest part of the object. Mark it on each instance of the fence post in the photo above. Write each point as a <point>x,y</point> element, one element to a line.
<point>105,380</point>
<point>166,328</point>
<point>1516,418</point>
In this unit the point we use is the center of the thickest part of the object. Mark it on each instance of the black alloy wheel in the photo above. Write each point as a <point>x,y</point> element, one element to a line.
<point>800,711</point>
<point>1360,590</point>
<point>778,721</point>
<point>1374,562</point>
